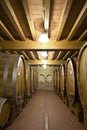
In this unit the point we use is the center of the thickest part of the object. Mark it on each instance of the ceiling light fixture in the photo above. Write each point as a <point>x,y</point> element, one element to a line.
<point>45,62</point>
<point>44,66</point>
<point>44,54</point>
<point>43,38</point>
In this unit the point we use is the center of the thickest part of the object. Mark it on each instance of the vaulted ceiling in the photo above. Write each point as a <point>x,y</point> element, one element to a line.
<point>22,22</point>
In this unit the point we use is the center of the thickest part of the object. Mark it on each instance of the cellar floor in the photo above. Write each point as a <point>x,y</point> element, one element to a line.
<point>45,111</point>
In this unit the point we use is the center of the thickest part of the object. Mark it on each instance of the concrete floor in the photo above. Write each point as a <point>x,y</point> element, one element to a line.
<point>45,111</point>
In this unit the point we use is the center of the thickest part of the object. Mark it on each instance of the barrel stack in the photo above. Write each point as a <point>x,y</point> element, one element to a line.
<point>12,80</point>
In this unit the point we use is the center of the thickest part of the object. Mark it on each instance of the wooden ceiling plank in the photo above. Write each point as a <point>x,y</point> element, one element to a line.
<point>78,22</point>
<point>49,62</point>
<point>12,16</point>
<point>83,35</point>
<point>32,45</point>
<point>26,4</point>
<point>63,19</point>
<point>5,30</point>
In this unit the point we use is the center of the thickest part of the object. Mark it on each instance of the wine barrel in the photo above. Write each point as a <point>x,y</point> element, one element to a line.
<point>71,81</point>
<point>27,91</point>
<point>82,78</point>
<point>4,111</point>
<point>72,88</point>
<point>12,77</point>
<point>35,80</point>
<point>58,79</point>
<point>62,80</point>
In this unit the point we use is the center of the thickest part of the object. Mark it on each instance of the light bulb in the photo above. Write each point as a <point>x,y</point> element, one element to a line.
<point>43,38</point>
<point>44,54</point>
<point>44,66</point>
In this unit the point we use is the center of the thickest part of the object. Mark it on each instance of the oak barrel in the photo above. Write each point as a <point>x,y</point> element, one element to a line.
<point>71,80</point>
<point>82,78</point>
<point>72,88</point>
<point>4,111</point>
<point>27,80</point>
<point>62,80</point>
<point>12,77</point>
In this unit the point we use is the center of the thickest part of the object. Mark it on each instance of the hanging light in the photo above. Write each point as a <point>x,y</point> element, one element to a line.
<point>44,62</point>
<point>43,38</point>
<point>44,54</point>
<point>44,66</point>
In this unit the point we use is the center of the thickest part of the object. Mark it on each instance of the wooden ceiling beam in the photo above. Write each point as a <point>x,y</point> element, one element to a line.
<point>63,19</point>
<point>47,15</point>
<point>1,39</point>
<point>26,4</point>
<point>32,45</point>
<point>66,55</point>
<point>83,35</point>
<point>78,22</point>
<point>25,55</point>
<point>13,18</point>
<point>74,54</point>
<point>5,30</point>
<point>49,62</point>
<point>32,55</point>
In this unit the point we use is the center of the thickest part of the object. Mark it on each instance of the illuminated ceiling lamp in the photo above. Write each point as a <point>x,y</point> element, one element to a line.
<point>44,66</point>
<point>44,54</point>
<point>43,38</point>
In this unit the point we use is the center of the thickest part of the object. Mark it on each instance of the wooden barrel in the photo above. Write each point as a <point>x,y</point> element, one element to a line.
<point>27,91</point>
<point>71,81</point>
<point>58,79</point>
<point>82,78</point>
<point>12,77</point>
<point>35,80</point>
<point>72,88</point>
<point>55,79</point>
<point>62,80</point>
<point>4,111</point>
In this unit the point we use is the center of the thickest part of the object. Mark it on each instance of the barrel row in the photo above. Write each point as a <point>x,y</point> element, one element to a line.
<point>70,82</point>
<point>17,83</point>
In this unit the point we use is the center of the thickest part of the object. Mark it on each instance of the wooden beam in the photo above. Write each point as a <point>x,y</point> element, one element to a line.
<point>78,22</point>
<point>26,4</point>
<point>63,19</point>
<point>1,39</point>
<point>32,45</point>
<point>49,62</point>
<point>47,14</point>
<point>13,18</point>
<point>32,55</point>
<point>25,55</point>
<point>66,55</point>
<point>5,30</point>
<point>74,54</point>
<point>83,35</point>
<point>59,55</point>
